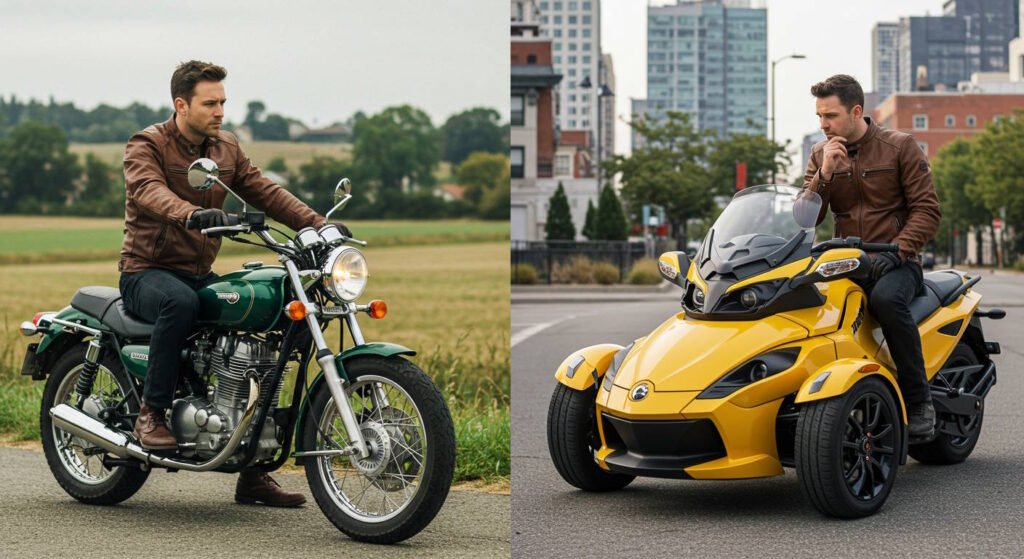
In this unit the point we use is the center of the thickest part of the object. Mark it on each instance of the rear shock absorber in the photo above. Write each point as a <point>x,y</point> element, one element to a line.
<point>89,369</point>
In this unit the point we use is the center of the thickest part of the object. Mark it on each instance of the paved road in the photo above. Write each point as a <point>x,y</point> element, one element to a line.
<point>974,509</point>
<point>194,515</point>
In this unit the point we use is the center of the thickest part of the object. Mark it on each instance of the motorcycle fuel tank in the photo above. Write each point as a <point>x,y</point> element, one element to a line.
<point>244,300</point>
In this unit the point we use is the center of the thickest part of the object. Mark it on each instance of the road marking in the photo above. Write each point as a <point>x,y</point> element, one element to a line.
<point>526,333</point>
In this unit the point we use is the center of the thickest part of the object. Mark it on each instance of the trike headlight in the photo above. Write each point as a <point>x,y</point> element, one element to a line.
<point>345,274</point>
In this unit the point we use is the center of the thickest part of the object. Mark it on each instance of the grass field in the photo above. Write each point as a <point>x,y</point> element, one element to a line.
<point>449,302</point>
<point>295,154</point>
<point>25,239</point>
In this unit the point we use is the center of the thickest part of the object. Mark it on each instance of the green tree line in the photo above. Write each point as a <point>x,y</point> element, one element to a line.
<point>395,154</point>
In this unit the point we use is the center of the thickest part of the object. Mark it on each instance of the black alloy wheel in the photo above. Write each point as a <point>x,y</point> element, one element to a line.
<point>869,444</point>
<point>847,449</point>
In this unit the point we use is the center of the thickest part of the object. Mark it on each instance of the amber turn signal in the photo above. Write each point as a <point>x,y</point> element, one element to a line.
<point>295,310</point>
<point>870,368</point>
<point>377,309</point>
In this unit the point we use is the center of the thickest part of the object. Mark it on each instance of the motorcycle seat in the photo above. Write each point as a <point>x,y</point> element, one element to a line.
<point>937,286</point>
<point>105,304</point>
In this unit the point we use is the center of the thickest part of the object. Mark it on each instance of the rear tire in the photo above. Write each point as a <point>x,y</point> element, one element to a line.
<point>949,449</point>
<point>834,436</point>
<point>572,436</point>
<point>72,460</point>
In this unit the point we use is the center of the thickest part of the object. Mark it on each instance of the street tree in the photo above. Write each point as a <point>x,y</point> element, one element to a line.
<point>998,163</point>
<point>559,226</point>
<point>590,222</point>
<point>610,223</point>
<point>482,172</point>
<point>668,171</point>
<point>953,173</point>
<point>761,155</point>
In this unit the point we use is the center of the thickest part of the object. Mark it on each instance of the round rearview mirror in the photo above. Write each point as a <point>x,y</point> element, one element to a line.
<point>203,173</point>
<point>344,188</point>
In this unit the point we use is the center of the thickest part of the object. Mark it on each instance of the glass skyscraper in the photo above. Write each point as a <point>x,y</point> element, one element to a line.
<point>710,60</point>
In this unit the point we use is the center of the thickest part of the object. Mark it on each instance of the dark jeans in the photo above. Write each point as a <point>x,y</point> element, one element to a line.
<point>889,302</point>
<point>167,299</point>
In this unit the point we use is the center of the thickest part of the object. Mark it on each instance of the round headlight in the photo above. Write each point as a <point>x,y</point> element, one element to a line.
<point>345,274</point>
<point>698,298</point>
<point>749,298</point>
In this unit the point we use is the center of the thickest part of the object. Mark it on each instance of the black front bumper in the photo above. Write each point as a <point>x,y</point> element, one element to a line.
<point>660,448</point>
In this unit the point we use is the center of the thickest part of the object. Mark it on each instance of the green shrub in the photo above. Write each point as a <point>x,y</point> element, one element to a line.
<point>524,274</point>
<point>644,272</point>
<point>606,273</point>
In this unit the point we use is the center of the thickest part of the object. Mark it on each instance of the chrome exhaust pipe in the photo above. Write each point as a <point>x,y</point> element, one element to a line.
<point>80,424</point>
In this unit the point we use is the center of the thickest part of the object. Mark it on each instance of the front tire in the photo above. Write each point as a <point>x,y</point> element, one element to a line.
<point>950,449</point>
<point>76,464</point>
<point>847,450</point>
<point>572,440</point>
<point>404,418</point>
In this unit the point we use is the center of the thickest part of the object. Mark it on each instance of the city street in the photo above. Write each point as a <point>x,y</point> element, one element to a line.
<point>972,509</point>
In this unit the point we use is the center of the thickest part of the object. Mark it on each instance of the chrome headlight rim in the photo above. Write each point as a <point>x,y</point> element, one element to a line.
<point>327,273</point>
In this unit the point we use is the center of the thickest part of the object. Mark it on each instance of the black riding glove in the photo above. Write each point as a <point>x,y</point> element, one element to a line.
<point>206,218</point>
<point>883,263</point>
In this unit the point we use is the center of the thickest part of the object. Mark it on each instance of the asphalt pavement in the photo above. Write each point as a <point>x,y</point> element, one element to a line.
<point>973,509</point>
<point>188,514</point>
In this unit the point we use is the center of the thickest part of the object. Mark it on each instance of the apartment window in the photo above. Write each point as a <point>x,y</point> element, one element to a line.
<point>584,110</point>
<point>585,97</point>
<point>543,5</point>
<point>923,146</point>
<point>562,167</point>
<point>920,122</point>
<point>572,46</point>
<point>586,33</point>
<point>516,158</point>
<point>572,33</point>
<point>558,32</point>
<point>971,121</point>
<point>586,59</point>
<point>573,6</point>
<point>572,124</point>
<point>572,110</point>
<point>573,20</point>
<point>572,72</point>
<point>518,107</point>
<point>558,59</point>
<point>586,46</point>
<point>586,20</point>
<point>572,59</point>
<point>587,6</point>
<point>531,59</point>
<point>558,5</point>
<point>558,45</point>
<point>558,20</point>
<point>950,121</point>
<point>586,123</point>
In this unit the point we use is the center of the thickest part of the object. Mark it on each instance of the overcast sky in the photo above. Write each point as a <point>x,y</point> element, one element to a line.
<point>835,35</point>
<point>315,60</point>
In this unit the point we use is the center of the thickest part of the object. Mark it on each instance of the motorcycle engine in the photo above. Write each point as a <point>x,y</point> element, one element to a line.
<point>204,424</point>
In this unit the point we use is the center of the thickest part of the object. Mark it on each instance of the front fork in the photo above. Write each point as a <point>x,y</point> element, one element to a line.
<point>325,357</point>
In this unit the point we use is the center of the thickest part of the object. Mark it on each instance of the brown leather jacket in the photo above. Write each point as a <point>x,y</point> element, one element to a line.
<point>159,199</point>
<point>885,194</point>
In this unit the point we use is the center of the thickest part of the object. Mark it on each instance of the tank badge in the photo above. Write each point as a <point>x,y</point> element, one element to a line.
<point>139,356</point>
<point>639,392</point>
<point>230,297</point>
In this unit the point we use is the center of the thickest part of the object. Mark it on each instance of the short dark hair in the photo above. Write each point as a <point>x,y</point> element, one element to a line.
<point>188,74</point>
<point>843,86</point>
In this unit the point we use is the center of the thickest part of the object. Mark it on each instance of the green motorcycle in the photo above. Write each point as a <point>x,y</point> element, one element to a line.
<point>372,430</point>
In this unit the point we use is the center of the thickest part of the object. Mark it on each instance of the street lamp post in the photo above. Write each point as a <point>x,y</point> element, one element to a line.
<point>605,92</point>
<point>774,62</point>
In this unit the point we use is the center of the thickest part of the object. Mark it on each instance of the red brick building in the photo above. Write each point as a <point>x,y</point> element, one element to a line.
<point>937,118</point>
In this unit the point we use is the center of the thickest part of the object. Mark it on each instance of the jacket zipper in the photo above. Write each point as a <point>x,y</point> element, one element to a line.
<point>868,172</point>
<point>860,194</point>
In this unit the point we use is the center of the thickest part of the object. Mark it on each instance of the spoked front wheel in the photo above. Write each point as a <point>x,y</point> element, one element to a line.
<point>847,450</point>
<point>397,490</point>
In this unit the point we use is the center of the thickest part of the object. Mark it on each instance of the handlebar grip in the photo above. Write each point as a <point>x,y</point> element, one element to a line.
<point>880,247</point>
<point>233,219</point>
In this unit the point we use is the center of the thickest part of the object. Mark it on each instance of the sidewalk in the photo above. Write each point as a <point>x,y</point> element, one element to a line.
<point>540,294</point>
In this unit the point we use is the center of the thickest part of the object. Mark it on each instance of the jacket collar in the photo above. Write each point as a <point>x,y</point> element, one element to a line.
<point>184,142</point>
<point>872,130</point>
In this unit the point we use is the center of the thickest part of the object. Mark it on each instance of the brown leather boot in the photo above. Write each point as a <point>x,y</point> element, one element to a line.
<point>259,487</point>
<point>151,430</point>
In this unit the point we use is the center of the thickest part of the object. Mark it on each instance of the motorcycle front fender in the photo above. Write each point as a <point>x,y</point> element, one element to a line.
<point>842,375</point>
<point>586,366</point>
<point>378,349</point>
